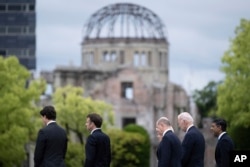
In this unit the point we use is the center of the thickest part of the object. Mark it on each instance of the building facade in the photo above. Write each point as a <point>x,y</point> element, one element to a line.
<point>18,31</point>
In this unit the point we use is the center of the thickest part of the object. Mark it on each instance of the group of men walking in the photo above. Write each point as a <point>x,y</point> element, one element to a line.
<point>51,144</point>
<point>190,152</point>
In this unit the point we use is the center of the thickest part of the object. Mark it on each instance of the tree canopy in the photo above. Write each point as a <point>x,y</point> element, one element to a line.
<point>205,99</point>
<point>72,109</point>
<point>127,148</point>
<point>234,93</point>
<point>18,110</point>
<point>144,154</point>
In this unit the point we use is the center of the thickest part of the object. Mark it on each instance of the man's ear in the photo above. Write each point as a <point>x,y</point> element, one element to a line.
<point>45,116</point>
<point>219,127</point>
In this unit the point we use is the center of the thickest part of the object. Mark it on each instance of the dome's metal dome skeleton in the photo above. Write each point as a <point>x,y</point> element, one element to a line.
<point>124,20</point>
<point>125,35</point>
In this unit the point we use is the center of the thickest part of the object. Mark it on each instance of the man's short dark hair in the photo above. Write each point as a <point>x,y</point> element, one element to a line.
<point>49,112</point>
<point>221,122</point>
<point>96,118</point>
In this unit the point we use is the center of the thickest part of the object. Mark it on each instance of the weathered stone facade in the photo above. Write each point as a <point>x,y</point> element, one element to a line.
<point>139,93</point>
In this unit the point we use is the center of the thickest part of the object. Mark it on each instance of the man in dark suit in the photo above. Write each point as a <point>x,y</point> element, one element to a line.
<point>51,144</point>
<point>169,149</point>
<point>193,144</point>
<point>97,148</point>
<point>224,144</point>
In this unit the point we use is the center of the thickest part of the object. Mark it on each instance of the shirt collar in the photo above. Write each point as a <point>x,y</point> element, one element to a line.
<point>168,129</point>
<point>94,130</point>
<point>51,121</point>
<point>189,127</point>
<point>221,135</point>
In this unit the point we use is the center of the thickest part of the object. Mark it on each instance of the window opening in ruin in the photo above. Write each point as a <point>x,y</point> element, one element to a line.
<point>136,59</point>
<point>140,59</point>
<point>106,56</point>
<point>127,90</point>
<point>113,56</point>
<point>127,121</point>
<point>143,59</point>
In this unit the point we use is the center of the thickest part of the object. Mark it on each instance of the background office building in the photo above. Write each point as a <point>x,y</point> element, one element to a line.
<point>17,31</point>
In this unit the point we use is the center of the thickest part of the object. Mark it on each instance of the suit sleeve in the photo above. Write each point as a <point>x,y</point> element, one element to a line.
<point>40,147</point>
<point>225,153</point>
<point>90,150</point>
<point>165,152</point>
<point>187,146</point>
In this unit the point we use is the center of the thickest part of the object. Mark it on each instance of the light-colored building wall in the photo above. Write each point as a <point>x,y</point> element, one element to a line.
<point>155,51</point>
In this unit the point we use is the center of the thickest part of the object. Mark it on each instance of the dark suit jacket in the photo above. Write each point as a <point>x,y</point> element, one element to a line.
<point>222,151</point>
<point>169,151</point>
<point>51,146</point>
<point>98,150</point>
<point>193,148</point>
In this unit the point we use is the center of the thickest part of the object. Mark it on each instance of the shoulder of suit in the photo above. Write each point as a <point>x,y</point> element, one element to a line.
<point>192,128</point>
<point>225,136</point>
<point>96,130</point>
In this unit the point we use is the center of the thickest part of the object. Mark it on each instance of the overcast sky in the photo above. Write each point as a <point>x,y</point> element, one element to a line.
<point>199,33</point>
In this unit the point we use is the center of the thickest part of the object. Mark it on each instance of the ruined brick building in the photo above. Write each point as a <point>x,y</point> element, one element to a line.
<point>125,62</point>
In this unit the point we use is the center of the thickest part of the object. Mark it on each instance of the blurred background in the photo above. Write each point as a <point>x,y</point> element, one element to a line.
<point>130,61</point>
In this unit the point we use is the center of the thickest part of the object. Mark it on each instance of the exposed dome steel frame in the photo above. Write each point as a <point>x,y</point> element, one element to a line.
<point>124,20</point>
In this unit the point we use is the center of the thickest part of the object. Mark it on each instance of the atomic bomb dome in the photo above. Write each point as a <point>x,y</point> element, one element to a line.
<point>124,53</point>
<point>124,20</point>
<point>126,35</point>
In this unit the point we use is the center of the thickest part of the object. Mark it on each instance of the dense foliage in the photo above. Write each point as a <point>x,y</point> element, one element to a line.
<point>19,114</point>
<point>144,156</point>
<point>234,93</point>
<point>73,108</point>
<point>126,148</point>
<point>206,99</point>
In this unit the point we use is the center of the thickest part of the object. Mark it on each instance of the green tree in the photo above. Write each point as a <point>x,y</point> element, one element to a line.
<point>206,99</point>
<point>72,109</point>
<point>144,155</point>
<point>18,110</point>
<point>74,155</point>
<point>234,93</point>
<point>126,146</point>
